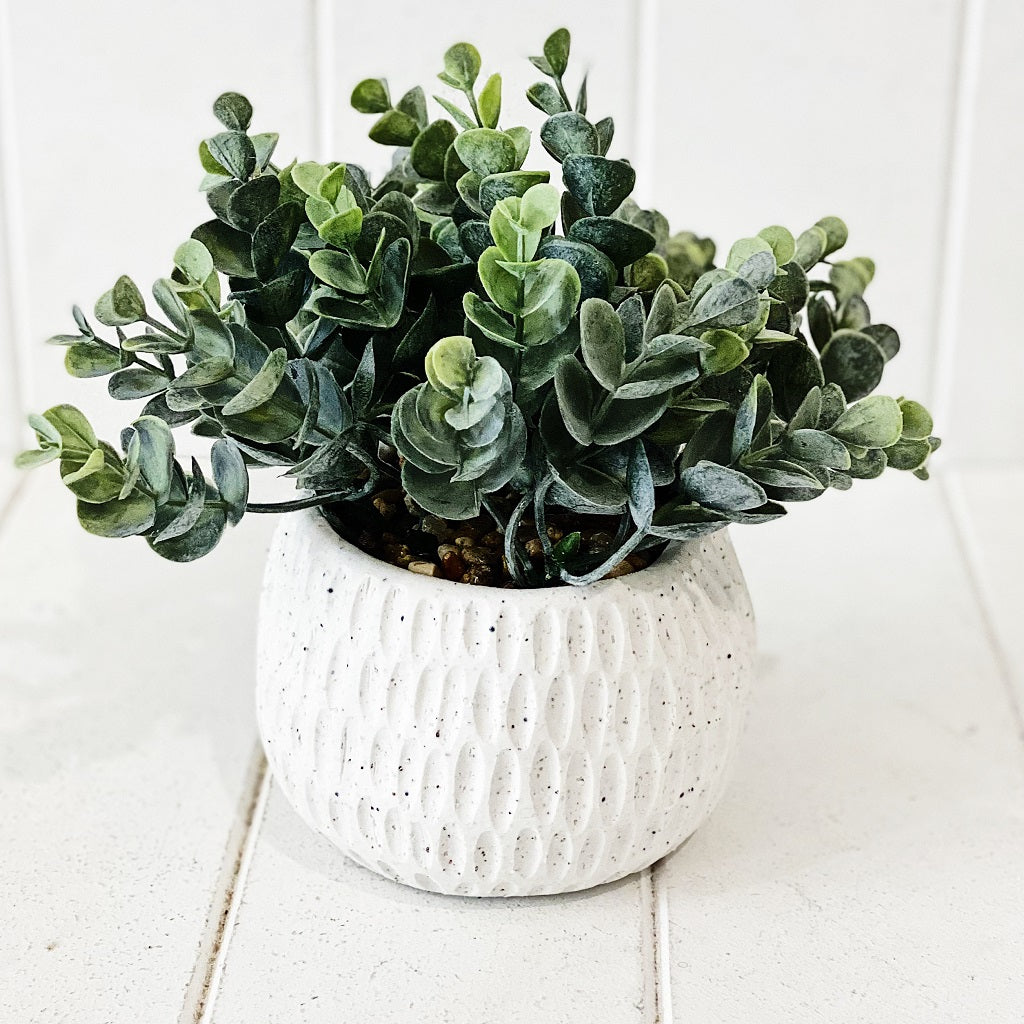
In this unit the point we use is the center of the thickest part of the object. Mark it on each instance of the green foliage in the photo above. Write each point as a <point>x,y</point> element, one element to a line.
<point>480,337</point>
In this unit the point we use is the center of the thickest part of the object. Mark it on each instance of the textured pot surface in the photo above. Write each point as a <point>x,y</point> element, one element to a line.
<point>489,742</point>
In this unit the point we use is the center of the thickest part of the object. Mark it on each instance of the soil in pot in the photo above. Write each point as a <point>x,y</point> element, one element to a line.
<point>393,528</point>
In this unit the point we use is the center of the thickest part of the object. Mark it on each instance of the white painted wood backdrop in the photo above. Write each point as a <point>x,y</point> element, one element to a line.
<point>903,119</point>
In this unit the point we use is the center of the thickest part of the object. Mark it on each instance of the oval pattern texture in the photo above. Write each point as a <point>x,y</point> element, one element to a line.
<point>485,742</point>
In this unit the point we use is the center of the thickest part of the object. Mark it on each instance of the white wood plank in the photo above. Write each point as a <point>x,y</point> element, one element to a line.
<point>409,52</point>
<point>782,113</point>
<point>867,861</point>
<point>988,358</point>
<point>11,412</point>
<point>996,553</point>
<point>111,101</point>
<point>128,733</point>
<point>319,939</point>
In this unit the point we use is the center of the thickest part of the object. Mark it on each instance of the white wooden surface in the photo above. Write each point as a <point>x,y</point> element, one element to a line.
<point>866,863</point>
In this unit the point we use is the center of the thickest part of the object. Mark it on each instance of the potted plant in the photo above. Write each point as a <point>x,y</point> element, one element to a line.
<point>476,377</point>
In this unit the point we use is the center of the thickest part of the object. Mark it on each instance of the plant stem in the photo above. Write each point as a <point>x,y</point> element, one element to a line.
<point>294,506</point>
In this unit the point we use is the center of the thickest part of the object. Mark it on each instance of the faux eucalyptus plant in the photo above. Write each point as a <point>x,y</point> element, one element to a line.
<point>469,332</point>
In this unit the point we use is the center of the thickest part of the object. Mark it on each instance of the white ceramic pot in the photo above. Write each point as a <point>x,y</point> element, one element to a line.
<point>487,742</point>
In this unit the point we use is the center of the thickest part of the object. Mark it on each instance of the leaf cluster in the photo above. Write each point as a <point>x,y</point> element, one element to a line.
<point>483,338</point>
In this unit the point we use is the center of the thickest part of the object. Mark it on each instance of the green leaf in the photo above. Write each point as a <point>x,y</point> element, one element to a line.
<point>74,429</point>
<point>885,337</point>
<point>729,303</point>
<point>603,343</point>
<point>231,477</point>
<point>556,51</point>
<point>489,102</point>
<point>488,319</point>
<point>575,399</point>
<point>917,421</point>
<point>204,373</point>
<point>122,305</point>
<point>121,517</point>
<point>190,512</point>
<point>908,453</point>
<point>544,96</point>
<point>371,96</point>
<point>496,187</point>
<point>853,361</point>
<point>136,382</point>
<point>430,148</point>
<point>235,152</point>
<point>623,243</point>
<point>193,259</point>
<point>726,351</point>
<point>721,488</point>
<point>395,128</point>
<point>810,247</point>
<point>874,422</point>
<point>172,307</point>
<point>551,296</point>
<point>486,151</point>
<point>84,359</point>
<point>79,470</point>
<point>628,418</point>
<point>156,455</point>
<point>261,388</point>
<point>233,111</point>
<point>835,233</point>
<point>782,243</point>
<point>754,260</point>
<point>229,247</point>
<point>793,372</point>
<point>569,132</point>
<point>252,201</point>
<point>273,239</point>
<point>461,66</point>
<point>196,542</point>
<point>818,448</point>
<point>340,270</point>
<point>640,486</point>
<point>851,277</point>
<point>462,119</point>
<point>599,185</point>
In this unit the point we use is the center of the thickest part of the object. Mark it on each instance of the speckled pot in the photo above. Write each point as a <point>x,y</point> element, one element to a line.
<point>487,742</point>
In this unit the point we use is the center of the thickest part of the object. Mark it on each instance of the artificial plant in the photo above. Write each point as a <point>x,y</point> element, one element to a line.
<point>468,331</point>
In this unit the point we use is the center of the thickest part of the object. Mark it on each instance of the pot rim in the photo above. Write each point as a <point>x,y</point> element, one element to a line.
<point>665,573</point>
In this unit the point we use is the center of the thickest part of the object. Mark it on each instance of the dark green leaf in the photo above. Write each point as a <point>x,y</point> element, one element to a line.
<point>370,96</point>
<point>233,111</point>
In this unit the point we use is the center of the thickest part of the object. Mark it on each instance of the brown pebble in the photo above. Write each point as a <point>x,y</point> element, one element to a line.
<point>534,548</point>
<point>479,556</point>
<point>452,564</point>
<point>426,569</point>
<point>494,539</point>
<point>637,561</point>
<point>387,509</point>
<point>555,533</point>
<point>481,575</point>
<point>598,541</point>
<point>464,542</point>
<point>622,569</point>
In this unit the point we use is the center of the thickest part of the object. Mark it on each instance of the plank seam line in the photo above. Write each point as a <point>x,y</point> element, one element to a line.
<point>206,978</point>
<point>970,555</point>
<point>955,202</point>
<point>662,972</point>
<point>324,77</point>
<point>12,232</point>
<point>649,948</point>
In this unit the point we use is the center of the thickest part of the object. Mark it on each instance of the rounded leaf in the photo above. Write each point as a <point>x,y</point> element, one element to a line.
<point>371,96</point>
